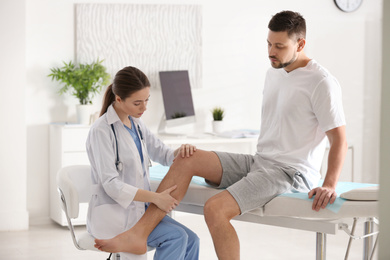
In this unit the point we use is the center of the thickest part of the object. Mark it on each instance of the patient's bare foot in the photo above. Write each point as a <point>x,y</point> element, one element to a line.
<point>124,242</point>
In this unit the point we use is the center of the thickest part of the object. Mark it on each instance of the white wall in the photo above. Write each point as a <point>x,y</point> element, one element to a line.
<point>384,210</point>
<point>234,65</point>
<point>13,210</point>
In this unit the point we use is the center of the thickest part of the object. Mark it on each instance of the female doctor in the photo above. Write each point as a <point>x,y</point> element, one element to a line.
<point>119,148</point>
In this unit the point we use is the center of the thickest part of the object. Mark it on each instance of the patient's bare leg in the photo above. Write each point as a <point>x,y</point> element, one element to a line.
<point>201,163</point>
<point>218,211</point>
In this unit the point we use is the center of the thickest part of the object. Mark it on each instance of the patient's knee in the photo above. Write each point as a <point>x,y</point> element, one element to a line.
<point>186,163</point>
<point>220,208</point>
<point>212,211</point>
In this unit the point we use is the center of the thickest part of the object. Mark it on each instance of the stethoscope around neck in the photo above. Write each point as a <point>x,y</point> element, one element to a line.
<point>118,163</point>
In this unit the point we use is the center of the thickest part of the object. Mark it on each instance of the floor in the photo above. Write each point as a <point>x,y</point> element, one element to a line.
<point>50,241</point>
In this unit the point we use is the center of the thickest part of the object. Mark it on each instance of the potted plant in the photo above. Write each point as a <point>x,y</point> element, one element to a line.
<point>218,115</point>
<point>83,81</point>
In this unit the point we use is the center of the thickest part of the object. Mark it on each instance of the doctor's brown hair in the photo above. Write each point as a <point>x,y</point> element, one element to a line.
<point>288,21</point>
<point>126,82</point>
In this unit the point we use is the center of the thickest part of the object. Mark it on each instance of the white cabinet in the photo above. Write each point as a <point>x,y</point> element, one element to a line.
<point>67,147</point>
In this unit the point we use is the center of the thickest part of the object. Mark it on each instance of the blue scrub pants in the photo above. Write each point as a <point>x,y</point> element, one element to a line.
<point>173,240</point>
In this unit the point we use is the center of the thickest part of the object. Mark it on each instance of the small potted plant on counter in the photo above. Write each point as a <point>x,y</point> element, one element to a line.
<point>218,115</point>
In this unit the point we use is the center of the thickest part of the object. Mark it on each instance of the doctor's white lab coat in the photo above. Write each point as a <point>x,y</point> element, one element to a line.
<point>112,209</point>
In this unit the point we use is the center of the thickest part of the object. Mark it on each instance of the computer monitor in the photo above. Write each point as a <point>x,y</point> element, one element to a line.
<point>177,98</point>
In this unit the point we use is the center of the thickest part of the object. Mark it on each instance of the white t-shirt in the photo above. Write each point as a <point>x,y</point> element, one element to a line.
<point>298,108</point>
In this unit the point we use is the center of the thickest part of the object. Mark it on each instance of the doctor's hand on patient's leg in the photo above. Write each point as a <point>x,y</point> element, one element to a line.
<point>185,150</point>
<point>165,201</point>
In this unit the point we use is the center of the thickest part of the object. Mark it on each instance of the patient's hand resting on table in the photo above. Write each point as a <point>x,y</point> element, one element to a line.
<point>322,196</point>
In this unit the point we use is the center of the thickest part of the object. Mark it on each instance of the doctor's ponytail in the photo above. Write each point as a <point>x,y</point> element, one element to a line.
<point>109,97</point>
<point>126,82</point>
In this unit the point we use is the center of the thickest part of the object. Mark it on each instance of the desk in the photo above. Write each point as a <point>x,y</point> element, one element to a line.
<point>214,143</point>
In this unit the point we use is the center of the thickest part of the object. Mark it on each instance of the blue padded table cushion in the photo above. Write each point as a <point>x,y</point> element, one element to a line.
<point>158,172</point>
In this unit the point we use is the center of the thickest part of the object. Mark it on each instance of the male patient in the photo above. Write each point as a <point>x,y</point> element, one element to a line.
<point>301,107</point>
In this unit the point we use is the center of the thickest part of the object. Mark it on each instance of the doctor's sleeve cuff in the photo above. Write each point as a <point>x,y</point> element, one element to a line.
<point>126,195</point>
<point>170,157</point>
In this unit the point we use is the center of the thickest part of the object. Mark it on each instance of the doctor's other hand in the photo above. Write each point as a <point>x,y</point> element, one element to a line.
<point>165,201</point>
<point>185,150</point>
<point>322,196</point>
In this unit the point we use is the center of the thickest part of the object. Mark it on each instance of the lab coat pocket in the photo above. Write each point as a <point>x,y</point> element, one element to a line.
<point>107,220</point>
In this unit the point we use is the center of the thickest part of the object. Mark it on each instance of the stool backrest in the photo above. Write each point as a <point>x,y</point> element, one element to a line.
<point>75,183</point>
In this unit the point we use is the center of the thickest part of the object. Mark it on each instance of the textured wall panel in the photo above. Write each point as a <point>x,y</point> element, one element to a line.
<point>152,38</point>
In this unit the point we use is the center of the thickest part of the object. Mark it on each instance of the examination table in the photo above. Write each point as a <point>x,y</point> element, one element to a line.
<point>356,203</point>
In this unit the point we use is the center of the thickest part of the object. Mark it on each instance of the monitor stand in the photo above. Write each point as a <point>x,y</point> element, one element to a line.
<point>162,129</point>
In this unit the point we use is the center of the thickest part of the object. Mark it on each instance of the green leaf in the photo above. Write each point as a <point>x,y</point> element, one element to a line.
<point>218,113</point>
<point>83,81</point>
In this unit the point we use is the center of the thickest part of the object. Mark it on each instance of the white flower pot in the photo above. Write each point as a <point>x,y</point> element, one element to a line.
<point>218,126</point>
<point>83,114</point>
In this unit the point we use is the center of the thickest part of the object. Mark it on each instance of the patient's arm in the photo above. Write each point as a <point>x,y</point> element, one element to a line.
<point>338,149</point>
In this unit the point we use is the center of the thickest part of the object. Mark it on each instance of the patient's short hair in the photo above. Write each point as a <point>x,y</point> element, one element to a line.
<point>288,21</point>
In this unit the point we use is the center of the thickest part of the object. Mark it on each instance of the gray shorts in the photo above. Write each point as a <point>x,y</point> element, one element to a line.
<point>253,181</point>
